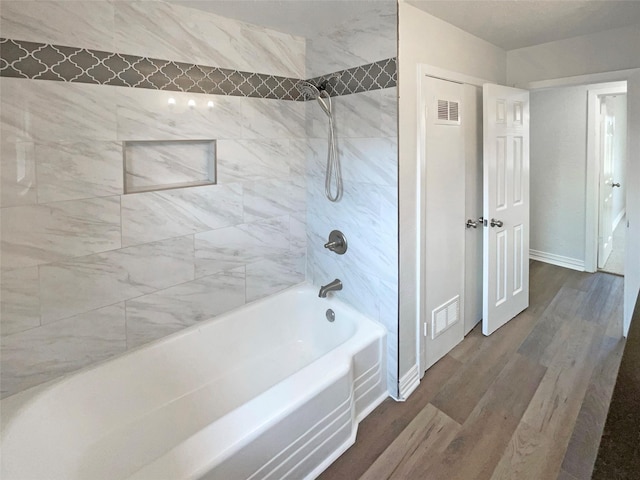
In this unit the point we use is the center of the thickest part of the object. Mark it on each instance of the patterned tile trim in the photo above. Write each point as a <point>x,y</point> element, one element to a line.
<point>374,76</point>
<point>32,60</point>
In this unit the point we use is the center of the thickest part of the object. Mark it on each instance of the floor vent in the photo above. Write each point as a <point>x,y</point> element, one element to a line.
<point>445,316</point>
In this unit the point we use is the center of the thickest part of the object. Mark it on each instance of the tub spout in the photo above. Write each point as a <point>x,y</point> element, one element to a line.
<point>330,287</point>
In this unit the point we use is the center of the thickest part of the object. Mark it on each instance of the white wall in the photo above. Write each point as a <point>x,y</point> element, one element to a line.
<point>632,260</point>
<point>600,52</point>
<point>558,169</point>
<point>424,39</point>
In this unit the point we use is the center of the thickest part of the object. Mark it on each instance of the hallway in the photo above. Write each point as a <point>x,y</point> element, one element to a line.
<point>528,402</point>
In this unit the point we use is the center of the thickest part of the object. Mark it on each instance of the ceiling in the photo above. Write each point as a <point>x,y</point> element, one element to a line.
<point>509,24</point>
<point>514,24</point>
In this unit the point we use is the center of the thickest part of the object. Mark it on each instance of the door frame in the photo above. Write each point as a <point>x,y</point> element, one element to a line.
<point>592,206</point>
<point>421,122</point>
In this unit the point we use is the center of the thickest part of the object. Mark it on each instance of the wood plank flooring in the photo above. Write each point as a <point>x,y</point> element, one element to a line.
<point>528,402</point>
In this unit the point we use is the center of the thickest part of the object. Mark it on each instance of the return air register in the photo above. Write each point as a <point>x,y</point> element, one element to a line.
<point>448,112</point>
<point>445,316</point>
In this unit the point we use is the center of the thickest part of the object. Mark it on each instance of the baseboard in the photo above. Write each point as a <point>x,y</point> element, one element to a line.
<point>408,383</point>
<point>559,260</point>
<point>619,218</point>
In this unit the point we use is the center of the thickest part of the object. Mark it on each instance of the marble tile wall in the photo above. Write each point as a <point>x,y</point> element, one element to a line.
<point>88,271</point>
<point>366,126</point>
<point>155,29</point>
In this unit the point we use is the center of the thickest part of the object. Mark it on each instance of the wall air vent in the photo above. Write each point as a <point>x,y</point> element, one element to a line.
<point>448,112</point>
<point>445,316</point>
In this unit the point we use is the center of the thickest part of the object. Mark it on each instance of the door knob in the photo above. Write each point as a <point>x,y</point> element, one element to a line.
<point>472,224</point>
<point>496,223</point>
<point>615,185</point>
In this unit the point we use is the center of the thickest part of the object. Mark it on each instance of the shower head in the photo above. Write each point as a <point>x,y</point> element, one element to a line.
<point>308,90</point>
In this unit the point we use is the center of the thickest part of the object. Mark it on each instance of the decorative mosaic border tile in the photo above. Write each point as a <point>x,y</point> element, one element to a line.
<point>43,61</point>
<point>373,76</point>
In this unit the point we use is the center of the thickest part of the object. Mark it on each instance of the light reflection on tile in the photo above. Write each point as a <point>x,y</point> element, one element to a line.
<point>147,115</point>
<point>17,172</point>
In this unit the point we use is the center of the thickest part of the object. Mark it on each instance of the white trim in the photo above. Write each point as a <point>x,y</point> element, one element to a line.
<point>408,383</point>
<point>614,76</point>
<point>450,75</point>
<point>619,218</point>
<point>559,260</point>
<point>592,208</point>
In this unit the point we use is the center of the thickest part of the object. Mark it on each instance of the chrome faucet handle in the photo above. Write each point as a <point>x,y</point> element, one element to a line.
<point>337,242</point>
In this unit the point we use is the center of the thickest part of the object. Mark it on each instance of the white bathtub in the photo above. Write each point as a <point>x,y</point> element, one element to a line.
<point>272,390</point>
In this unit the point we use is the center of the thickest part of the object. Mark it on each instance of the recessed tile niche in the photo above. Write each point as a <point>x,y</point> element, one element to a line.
<point>165,164</point>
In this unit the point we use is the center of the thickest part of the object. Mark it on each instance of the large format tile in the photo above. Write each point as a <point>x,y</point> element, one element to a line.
<point>37,234</point>
<point>17,172</point>
<point>48,111</point>
<point>267,118</point>
<point>273,198</point>
<point>232,247</point>
<point>170,31</point>
<point>74,170</point>
<point>361,115</point>
<point>19,300</point>
<point>93,281</point>
<point>147,115</point>
<point>253,160</point>
<point>369,37</point>
<point>44,353</point>
<point>86,24</point>
<point>151,216</point>
<point>269,276</point>
<point>162,313</point>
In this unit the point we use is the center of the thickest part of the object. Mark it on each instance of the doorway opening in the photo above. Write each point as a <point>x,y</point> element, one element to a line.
<point>606,179</point>
<point>612,134</point>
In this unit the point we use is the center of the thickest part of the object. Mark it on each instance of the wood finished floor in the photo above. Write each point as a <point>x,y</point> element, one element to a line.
<point>528,402</point>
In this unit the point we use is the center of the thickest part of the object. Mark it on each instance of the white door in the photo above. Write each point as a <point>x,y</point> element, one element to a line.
<point>442,311</point>
<point>506,205</point>
<point>605,221</point>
